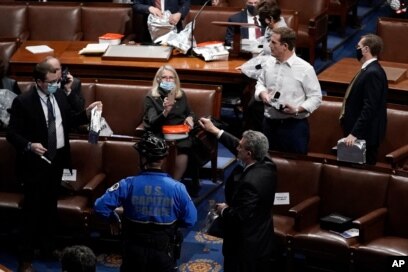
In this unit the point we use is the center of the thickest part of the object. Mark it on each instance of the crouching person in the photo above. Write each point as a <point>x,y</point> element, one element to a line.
<point>154,206</point>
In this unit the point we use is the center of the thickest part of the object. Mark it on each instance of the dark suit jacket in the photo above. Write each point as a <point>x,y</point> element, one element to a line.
<point>365,114</point>
<point>28,124</point>
<point>248,220</point>
<point>142,7</point>
<point>240,17</point>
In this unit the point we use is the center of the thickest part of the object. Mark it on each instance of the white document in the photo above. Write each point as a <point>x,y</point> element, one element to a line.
<point>38,49</point>
<point>348,233</point>
<point>212,52</point>
<point>281,199</point>
<point>67,176</point>
<point>94,48</point>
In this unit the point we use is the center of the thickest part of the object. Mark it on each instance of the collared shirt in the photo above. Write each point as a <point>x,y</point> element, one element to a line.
<point>297,83</point>
<point>365,64</point>
<point>57,114</point>
<point>251,30</point>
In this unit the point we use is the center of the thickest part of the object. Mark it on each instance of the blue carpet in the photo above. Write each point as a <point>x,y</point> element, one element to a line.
<point>201,253</point>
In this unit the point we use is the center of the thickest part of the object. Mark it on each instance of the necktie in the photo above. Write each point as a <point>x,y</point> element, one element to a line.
<point>347,94</point>
<point>157,4</point>
<point>258,32</point>
<point>52,131</point>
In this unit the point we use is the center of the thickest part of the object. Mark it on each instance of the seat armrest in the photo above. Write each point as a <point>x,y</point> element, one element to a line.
<point>318,25</point>
<point>397,155</point>
<point>139,130</point>
<point>371,225</point>
<point>93,188</point>
<point>305,213</point>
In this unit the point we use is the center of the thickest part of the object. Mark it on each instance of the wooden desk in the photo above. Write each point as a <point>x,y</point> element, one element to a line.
<point>337,77</point>
<point>190,69</point>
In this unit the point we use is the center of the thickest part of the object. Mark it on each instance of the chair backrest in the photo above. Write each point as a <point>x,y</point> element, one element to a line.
<point>123,104</point>
<point>396,135</point>
<point>325,129</point>
<point>204,100</point>
<point>391,31</point>
<point>120,160</point>
<point>299,178</point>
<point>291,18</point>
<point>87,160</point>
<point>206,31</point>
<point>13,20</point>
<point>54,22</point>
<point>397,222</point>
<point>306,9</point>
<point>97,21</point>
<point>7,49</point>
<point>350,191</point>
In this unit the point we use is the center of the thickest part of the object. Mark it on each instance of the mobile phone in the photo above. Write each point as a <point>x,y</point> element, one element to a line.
<point>64,77</point>
<point>172,96</point>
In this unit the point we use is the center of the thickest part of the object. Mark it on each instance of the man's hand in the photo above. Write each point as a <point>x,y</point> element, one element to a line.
<point>155,11</point>
<point>350,140</point>
<point>175,18</point>
<point>38,149</point>
<point>207,125</point>
<point>115,224</point>
<point>220,207</point>
<point>93,105</point>
<point>265,97</point>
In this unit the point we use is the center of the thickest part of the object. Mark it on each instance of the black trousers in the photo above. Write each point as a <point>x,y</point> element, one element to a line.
<point>41,187</point>
<point>287,135</point>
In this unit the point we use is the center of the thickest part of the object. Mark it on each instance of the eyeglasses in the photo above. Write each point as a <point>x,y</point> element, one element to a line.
<point>168,78</point>
<point>51,82</point>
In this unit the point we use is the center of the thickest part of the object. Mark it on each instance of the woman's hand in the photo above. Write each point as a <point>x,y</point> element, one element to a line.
<point>189,121</point>
<point>167,105</point>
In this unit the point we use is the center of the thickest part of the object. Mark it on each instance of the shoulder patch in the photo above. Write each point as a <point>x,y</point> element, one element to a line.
<point>114,187</point>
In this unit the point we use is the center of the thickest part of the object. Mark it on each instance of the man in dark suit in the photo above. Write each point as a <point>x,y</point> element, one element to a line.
<point>178,8</point>
<point>247,15</point>
<point>364,111</point>
<point>249,242</point>
<point>40,121</point>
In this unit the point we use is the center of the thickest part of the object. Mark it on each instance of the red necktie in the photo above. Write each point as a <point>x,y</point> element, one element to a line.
<point>258,32</point>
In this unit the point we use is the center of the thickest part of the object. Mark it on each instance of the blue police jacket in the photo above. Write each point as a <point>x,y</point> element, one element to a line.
<point>151,197</point>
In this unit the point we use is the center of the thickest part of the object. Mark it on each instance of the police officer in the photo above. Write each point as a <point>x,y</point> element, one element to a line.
<point>154,206</point>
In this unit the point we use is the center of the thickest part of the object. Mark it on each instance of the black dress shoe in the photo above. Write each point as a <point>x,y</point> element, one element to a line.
<point>25,267</point>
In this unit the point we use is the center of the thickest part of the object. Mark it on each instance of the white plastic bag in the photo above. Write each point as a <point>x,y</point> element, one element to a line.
<point>159,27</point>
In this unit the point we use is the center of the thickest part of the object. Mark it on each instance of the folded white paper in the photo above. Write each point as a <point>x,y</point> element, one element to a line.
<point>94,48</point>
<point>212,52</point>
<point>38,49</point>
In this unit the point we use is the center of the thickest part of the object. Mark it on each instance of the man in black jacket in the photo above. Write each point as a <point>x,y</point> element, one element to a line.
<point>364,111</point>
<point>249,243</point>
<point>40,121</point>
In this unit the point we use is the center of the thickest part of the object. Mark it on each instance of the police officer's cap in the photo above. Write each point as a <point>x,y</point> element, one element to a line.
<point>151,147</point>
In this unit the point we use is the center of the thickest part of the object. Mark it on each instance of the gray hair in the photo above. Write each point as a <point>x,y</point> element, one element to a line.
<point>257,143</point>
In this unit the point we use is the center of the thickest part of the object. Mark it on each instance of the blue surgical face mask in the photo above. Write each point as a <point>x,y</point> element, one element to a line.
<point>167,85</point>
<point>52,88</point>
